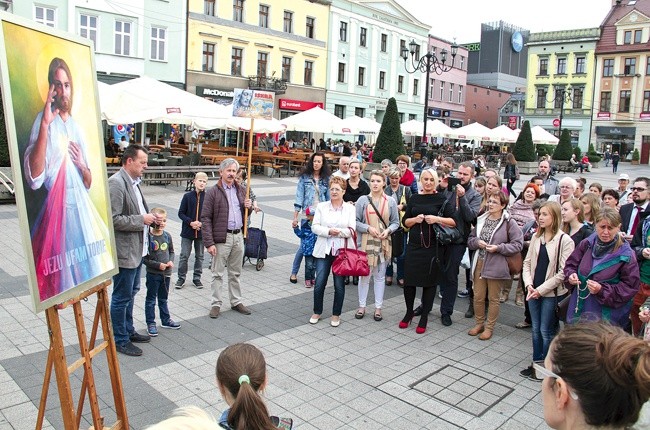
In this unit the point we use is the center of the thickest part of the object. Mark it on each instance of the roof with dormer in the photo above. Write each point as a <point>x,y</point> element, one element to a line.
<point>626,13</point>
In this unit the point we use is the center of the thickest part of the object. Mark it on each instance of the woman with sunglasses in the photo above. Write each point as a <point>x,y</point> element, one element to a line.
<point>594,376</point>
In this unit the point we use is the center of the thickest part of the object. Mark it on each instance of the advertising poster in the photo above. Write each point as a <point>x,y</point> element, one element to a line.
<point>253,104</point>
<point>51,107</point>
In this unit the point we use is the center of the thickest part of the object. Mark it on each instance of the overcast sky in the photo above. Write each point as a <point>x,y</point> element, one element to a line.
<point>462,19</point>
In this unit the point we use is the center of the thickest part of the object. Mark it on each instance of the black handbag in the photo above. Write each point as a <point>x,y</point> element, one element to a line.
<point>561,306</point>
<point>446,235</point>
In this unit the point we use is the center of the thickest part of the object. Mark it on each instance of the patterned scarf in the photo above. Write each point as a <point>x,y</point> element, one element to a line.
<point>375,247</point>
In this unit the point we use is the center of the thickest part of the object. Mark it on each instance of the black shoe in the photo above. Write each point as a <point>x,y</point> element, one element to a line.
<point>129,349</point>
<point>470,310</point>
<point>139,338</point>
<point>527,372</point>
<point>198,284</point>
<point>417,311</point>
<point>355,280</point>
<point>347,280</point>
<point>446,320</point>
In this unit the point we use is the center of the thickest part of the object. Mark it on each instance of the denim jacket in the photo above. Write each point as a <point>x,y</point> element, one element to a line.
<point>305,192</point>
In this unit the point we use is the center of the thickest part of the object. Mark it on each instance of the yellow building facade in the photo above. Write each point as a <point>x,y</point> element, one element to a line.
<point>273,45</point>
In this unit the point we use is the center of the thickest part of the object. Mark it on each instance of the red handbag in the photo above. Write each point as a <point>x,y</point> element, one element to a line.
<point>351,261</point>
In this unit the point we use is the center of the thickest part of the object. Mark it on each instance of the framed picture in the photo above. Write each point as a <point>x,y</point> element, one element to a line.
<point>49,91</point>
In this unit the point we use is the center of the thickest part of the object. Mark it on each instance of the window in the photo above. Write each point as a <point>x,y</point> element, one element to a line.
<point>400,84</point>
<point>264,16</point>
<point>412,116</point>
<point>236,58</point>
<point>339,110</point>
<point>608,67</point>
<point>262,62</point>
<point>543,66</point>
<point>637,36</point>
<point>559,98</point>
<point>208,57</point>
<point>442,90</point>
<point>630,66</point>
<point>624,101</point>
<point>286,69</point>
<point>343,32</point>
<point>460,94</point>
<point>462,63</point>
<point>416,84</point>
<point>384,42</point>
<point>362,76</point>
<point>401,117</point>
<point>561,66</point>
<point>432,86</point>
<point>577,98</point>
<point>238,10</point>
<point>360,112</point>
<point>627,37</point>
<point>541,98</point>
<point>451,92</point>
<point>417,53</point>
<point>647,66</point>
<point>646,101</point>
<point>45,15</point>
<point>363,36</point>
<point>605,101</point>
<point>309,68</point>
<point>581,65</point>
<point>402,46</point>
<point>208,7</point>
<point>88,27</point>
<point>158,43</point>
<point>288,21</point>
<point>309,32</point>
<point>382,80</point>
<point>122,38</point>
<point>341,75</point>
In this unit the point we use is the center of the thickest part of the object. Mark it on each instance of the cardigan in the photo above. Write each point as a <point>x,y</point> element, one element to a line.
<point>323,221</point>
<point>496,266</point>
<point>554,275</point>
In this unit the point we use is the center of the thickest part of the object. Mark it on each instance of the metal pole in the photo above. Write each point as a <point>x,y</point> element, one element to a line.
<point>561,112</point>
<point>426,99</point>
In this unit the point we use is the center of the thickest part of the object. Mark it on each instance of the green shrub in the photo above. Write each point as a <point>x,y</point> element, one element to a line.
<point>563,150</point>
<point>635,155</point>
<point>593,155</point>
<point>524,149</point>
<point>389,141</point>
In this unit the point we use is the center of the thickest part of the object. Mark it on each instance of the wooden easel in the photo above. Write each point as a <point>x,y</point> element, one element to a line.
<point>56,358</point>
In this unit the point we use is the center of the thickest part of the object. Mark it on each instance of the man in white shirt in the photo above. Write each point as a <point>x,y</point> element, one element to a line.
<point>623,191</point>
<point>344,168</point>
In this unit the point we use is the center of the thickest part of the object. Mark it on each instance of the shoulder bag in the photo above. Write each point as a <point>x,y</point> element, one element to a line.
<point>562,306</point>
<point>351,261</point>
<point>515,261</point>
<point>446,235</point>
<point>396,238</point>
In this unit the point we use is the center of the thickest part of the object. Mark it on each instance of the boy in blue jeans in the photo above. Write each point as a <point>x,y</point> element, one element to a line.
<point>307,242</point>
<point>159,262</point>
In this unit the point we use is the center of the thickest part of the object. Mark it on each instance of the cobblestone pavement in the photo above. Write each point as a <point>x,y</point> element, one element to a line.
<point>363,374</point>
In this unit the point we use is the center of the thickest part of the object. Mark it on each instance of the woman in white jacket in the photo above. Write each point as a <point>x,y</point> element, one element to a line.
<point>334,221</point>
<point>543,276</point>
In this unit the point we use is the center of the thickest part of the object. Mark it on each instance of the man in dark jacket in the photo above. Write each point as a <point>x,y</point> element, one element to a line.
<point>222,220</point>
<point>190,214</point>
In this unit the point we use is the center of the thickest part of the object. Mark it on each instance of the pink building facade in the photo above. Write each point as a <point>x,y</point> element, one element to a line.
<point>483,105</point>
<point>447,92</point>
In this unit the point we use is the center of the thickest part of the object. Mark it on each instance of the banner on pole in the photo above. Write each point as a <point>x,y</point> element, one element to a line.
<point>249,103</point>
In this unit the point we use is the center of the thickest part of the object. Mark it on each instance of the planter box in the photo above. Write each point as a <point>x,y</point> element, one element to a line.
<point>634,162</point>
<point>369,168</point>
<point>528,167</point>
<point>5,195</point>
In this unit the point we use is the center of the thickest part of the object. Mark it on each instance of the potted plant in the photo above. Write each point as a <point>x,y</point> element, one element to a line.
<point>636,156</point>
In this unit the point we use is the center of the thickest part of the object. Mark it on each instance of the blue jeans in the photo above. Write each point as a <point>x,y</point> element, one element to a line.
<point>186,251</point>
<point>544,324</point>
<point>126,285</point>
<point>157,287</point>
<point>296,261</point>
<point>323,268</point>
<point>310,268</point>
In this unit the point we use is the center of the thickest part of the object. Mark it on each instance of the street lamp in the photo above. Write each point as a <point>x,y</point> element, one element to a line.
<point>428,63</point>
<point>563,94</point>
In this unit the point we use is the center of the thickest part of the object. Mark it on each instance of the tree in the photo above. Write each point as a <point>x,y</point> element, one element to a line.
<point>592,154</point>
<point>524,149</point>
<point>564,150</point>
<point>578,152</point>
<point>389,141</point>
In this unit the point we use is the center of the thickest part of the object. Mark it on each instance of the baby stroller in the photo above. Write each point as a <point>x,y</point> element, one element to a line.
<point>256,245</point>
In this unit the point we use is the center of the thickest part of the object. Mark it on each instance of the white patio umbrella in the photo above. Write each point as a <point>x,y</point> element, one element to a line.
<point>315,120</point>
<point>473,131</point>
<point>259,125</point>
<point>412,127</point>
<point>357,125</point>
<point>158,102</point>
<point>437,128</point>
<point>503,133</point>
<point>543,137</point>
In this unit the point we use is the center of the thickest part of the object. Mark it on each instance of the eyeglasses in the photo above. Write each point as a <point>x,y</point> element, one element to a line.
<point>639,189</point>
<point>545,373</point>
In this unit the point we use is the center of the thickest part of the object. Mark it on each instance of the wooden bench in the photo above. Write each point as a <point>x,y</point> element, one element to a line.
<point>567,168</point>
<point>165,175</point>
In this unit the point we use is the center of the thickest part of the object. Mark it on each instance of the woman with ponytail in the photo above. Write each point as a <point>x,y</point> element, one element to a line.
<point>595,376</point>
<point>241,376</point>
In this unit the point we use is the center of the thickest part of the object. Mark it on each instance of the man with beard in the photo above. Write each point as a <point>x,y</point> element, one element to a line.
<point>56,159</point>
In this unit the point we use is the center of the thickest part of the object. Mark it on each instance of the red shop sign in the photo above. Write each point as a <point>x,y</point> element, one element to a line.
<point>289,104</point>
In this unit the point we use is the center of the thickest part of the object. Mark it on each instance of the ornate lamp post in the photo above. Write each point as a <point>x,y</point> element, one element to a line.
<point>428,63</point>
<point>562,95</point>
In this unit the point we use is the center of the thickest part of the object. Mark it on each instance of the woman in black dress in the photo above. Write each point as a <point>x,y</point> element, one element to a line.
<point>420,263</point>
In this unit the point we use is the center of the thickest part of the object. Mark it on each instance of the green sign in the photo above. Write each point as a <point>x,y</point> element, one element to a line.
<point>473,47</point>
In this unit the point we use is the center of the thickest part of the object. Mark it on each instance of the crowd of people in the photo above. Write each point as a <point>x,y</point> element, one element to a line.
<point>560,246</point>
